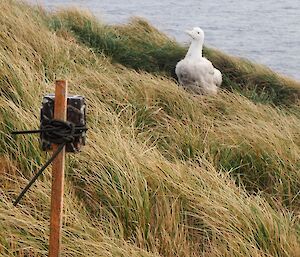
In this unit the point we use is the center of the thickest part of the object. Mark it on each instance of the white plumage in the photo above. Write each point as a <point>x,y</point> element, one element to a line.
<point>195,72</point>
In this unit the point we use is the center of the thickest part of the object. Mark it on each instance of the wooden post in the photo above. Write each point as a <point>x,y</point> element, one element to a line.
<point>57,191</point>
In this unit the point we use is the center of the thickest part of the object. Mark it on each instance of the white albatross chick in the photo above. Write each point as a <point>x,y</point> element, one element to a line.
<point>195,72</point>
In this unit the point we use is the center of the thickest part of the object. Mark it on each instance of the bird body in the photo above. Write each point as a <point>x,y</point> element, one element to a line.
<point>195,72</point>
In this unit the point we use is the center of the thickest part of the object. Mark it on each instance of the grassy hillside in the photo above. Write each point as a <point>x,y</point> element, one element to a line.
<point>165,172</point>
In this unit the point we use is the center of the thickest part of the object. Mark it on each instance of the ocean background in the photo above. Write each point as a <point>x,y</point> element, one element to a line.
<point>264,31</point>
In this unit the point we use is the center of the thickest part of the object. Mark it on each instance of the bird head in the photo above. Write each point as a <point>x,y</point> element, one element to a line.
<point>196,34</point>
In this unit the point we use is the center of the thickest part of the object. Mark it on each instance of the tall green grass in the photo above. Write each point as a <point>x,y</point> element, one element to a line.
<point>141,47</point>
<point>165,172</point>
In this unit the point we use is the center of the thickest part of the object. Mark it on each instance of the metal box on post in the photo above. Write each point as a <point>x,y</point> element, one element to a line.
<point>76,113</point>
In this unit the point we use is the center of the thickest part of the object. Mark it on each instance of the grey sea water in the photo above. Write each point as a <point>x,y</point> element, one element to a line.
<point>264,31</point>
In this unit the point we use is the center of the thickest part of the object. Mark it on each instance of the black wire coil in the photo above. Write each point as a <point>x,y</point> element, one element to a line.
<point>59,132</point>
<point>56,132</point>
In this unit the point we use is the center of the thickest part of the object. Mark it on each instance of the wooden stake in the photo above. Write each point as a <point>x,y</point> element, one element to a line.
<point>57,191</point>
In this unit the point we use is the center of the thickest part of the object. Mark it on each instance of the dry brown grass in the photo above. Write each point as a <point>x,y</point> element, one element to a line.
<point>165,173</point>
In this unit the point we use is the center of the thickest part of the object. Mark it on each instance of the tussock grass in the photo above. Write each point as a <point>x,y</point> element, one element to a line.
<point>139,46</point>
<point>165,173</point>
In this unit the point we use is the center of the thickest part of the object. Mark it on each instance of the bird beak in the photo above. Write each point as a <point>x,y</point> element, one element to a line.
<point>189,32</point>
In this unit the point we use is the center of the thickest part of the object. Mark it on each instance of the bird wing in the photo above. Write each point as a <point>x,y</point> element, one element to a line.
<point>212,75</point>
<point>217,77</point>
